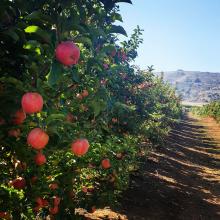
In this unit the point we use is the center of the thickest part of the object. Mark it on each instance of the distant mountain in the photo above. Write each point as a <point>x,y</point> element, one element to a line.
<point>195,86</point>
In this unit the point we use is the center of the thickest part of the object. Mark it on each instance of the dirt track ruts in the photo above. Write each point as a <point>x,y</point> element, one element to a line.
<point>180,180</point>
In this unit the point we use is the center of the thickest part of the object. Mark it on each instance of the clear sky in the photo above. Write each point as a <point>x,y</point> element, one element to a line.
<point>178,34</point>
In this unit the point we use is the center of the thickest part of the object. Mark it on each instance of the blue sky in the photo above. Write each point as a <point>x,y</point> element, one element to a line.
<point>178,34</point>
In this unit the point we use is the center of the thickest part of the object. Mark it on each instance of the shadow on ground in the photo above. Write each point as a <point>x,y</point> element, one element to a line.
<point>181,180</point>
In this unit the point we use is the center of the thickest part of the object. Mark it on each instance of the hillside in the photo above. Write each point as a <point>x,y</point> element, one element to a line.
<point>195,86</point>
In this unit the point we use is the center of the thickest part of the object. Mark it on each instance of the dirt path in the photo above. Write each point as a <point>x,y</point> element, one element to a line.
<point>180,181</point>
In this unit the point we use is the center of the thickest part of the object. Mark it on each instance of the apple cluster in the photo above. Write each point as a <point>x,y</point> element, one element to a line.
<point>68,54</point>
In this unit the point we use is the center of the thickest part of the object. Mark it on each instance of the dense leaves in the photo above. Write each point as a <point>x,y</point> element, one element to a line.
<point>212,109</point>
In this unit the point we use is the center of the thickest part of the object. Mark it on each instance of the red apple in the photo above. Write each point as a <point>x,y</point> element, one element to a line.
<point>54,210</point>
<point>19,117</point>
<point>41,202</point>
<point>103,82</point>
<point>36,208</point>
<point>70,117</point>
<point>40,159</point>
<point>2,121</point>
<point>33,179</point>
<point>123,56</point>
<point>85,93</point>
<point>79,96</point>
<point>37,138</point>
<point>5,215</point>
<point>14,133</point>
<point>80,147</point>
<point>56,200</point>
<point>19,183</point>
<point>113,53</point>
<point>106,163</point>
<point>53,186</point>
<point>114,120</point>
<point>67,53</point>
<point>84,189</point>
<point>105,65</point>
<point>32,102</point>
<point>119,156</point>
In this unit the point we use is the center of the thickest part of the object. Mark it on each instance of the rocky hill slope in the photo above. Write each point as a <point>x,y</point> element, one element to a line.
<point>195,86</point>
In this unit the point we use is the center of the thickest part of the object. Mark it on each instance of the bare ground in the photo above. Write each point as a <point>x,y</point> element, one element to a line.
<point>181,180</point>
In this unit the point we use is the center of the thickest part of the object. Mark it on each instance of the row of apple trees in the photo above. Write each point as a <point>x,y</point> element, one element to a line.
<point>212,109</point>
<point>74,112</point>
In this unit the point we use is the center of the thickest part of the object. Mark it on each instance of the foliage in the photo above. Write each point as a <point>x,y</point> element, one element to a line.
<point>124,106</point>
<point>212,109</point>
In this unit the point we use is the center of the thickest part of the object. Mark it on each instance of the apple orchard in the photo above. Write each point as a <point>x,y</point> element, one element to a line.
<point>74,111</point>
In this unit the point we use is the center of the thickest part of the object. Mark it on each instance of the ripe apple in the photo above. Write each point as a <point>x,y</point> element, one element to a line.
<point>67,53</point>
<point>32,102</point>
<point>106,163</point>
<point>54,210</point>
<point>105,65</point>
<point>80,147</point>
<point>70,117</point>
<point>119,156</point>
<point>33,179</point>
<point>85,93</point>
<point>36,208</point>
<point>19,183</point>
<point>40,159</point>
<point>84,189</point>
<point>114,120</point>
<point>122,55</point>
<point>113,53</point>
<point>2,121</point>
<point>90,189</point>
<point>37,138</point>
<point>41,202</point>
<point>103,82</point>
<point>5,215</point>
<point>56,200</point>
<point>19,117</point>
<point>53,186</point>
<point>14,133</point>
<point>79,96</point>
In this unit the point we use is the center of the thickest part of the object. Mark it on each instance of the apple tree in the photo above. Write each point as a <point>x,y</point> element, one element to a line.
<point>73,109</point>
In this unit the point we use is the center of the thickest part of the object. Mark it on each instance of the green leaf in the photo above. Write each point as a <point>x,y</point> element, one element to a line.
<point>33,45</point>
<point>109,4</point>
<point>37,15</point>
<point>98,106</point>
<point>108,48</point>
<point>11,80</point>
<point>117,29</point>
<point>75,75</point>
<point>55,117</point>
<point>96,32</point>
<point>39,32</point>
<point>79,28</point>
<point>126,1</point>
<point>55,74</point>
<point>31,29</point>
<point>11,33</point>
<point>117,17</point>
<point>85,40</point>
